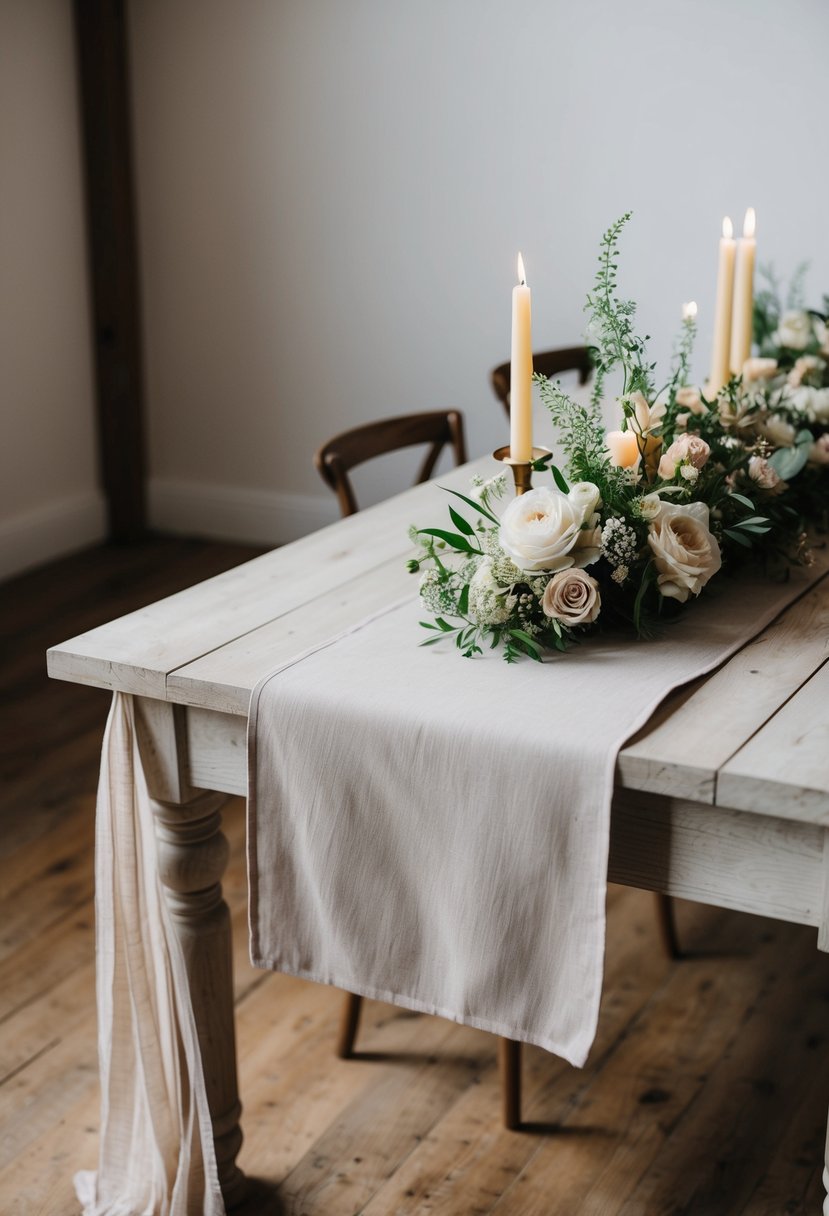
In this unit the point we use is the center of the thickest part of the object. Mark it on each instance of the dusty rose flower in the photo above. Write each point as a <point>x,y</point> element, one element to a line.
<point>572,597</point>
<point>690,399</point>
<point>685,553</point>
<point>819,451</point>
<point>681,421</point>
<point>767,478</point>
<point>688,449</point>
<point>759,369</point>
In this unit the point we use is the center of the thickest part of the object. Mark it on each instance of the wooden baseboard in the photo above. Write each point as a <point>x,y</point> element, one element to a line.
<point>50,531</point>
<point>222,512</point>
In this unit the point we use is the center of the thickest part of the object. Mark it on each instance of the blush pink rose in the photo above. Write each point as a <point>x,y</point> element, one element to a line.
<point>688,449</point>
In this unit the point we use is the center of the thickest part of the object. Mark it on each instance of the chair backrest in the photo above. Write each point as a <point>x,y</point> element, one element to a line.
<point>437,428</point>
<point>546,363</point>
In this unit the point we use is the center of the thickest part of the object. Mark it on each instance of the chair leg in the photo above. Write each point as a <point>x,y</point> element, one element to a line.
<point>509,1064</point>
<point>349,1021</point>
<point>667,926</point>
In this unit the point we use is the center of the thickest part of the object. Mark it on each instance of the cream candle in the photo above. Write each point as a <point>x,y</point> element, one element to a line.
<point>623,448</point>
<point>721,348</point>
<point>742,314</point>
<point>521,371</point>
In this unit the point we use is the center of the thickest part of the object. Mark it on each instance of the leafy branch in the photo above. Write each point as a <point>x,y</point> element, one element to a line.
<point>616,344</point>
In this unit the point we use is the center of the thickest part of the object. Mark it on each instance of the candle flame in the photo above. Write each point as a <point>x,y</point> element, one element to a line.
<point>727,228</point>
<point>522,274</point>
<point>689,310</point>
<point>748,223</point>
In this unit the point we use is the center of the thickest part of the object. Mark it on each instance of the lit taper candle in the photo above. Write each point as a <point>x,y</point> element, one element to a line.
<point>742,314</point>
<point>521,371</point>
<point>721,346</point>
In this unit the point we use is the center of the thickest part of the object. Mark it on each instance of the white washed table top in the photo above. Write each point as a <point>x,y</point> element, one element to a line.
<point>754,735</point>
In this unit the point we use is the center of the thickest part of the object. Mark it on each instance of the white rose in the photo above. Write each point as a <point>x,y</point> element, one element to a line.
<point>795,331</point>
<point>759,369</point>
<point>539,528</point>
<point>572,597</point>
<point>685,553</point>
<point>777,430</point>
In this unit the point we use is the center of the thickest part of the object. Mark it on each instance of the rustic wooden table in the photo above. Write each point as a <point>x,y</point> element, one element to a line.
<point>722,798</point>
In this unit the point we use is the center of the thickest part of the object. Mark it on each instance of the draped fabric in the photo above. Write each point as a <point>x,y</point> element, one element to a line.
<point>434,832</point>
<point>156,1154</point>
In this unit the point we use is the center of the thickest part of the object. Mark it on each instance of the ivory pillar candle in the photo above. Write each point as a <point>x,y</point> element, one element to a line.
<point>521,371</point>
<point>721,348</point>
<point>623,448</point>
<point>742,314</point>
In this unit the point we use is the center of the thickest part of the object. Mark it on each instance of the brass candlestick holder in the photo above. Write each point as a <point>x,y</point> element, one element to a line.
<point>522,470</point>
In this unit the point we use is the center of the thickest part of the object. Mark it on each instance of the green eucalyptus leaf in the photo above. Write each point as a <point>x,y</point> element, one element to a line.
<point>451,538</point>
<point>460,523</point>
<point>470,502</point>
<point>559,479</point>
<point>787,462</point>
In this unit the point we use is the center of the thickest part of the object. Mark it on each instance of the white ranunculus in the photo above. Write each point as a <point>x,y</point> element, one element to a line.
<point>587,496</point>
<point>795,330</point>
<point>685,553</point>
<point>540,529</point>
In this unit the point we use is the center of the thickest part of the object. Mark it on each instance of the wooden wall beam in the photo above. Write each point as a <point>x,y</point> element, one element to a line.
<point>103,71</point>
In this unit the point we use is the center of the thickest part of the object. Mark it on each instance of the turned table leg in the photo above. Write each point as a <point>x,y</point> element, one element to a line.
<point>192,855</point>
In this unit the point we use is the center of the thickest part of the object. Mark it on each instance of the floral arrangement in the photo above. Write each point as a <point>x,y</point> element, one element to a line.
<point>638,521</point>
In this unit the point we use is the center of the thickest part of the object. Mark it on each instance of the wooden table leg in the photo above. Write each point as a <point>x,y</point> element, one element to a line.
<point>192,856</point>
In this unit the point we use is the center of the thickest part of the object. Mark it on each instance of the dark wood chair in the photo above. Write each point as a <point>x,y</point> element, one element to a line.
<point>335,458</point>
<point>547,363</point>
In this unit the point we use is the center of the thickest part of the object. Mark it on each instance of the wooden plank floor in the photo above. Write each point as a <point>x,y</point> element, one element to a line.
<point>706,1091</point>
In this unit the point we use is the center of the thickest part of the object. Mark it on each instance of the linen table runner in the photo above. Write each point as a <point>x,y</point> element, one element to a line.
<point>433,832</point>
<point>156,1154</point>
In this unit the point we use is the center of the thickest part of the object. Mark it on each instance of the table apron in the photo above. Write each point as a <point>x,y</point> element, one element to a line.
<point>715,855</point>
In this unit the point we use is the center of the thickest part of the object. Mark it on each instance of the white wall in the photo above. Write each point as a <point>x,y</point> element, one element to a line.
<point>49,497</point>
<point>332,194</point>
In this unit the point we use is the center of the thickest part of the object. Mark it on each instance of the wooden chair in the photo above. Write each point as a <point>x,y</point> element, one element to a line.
<point>547,363</point>
<point>438,428</point>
